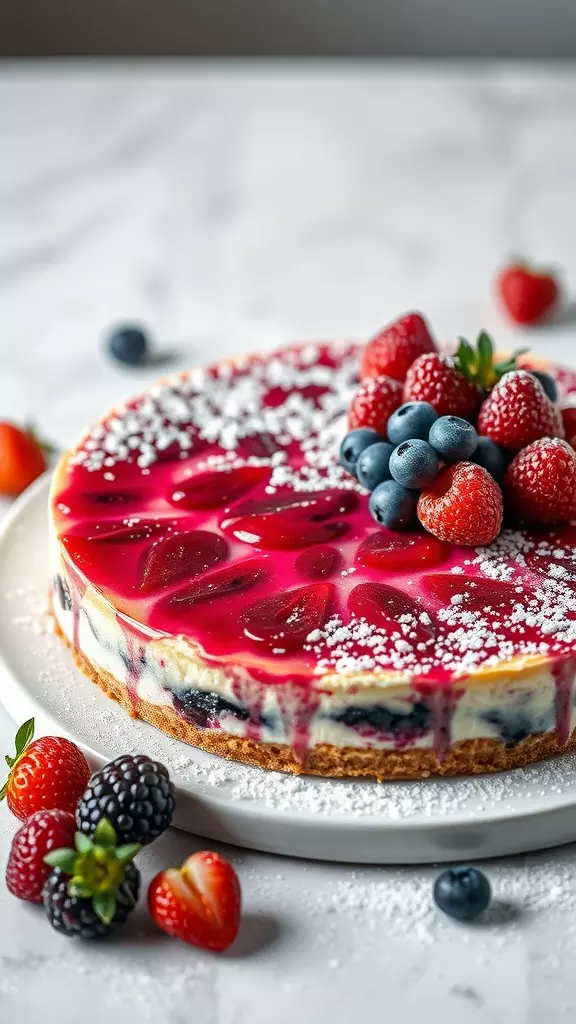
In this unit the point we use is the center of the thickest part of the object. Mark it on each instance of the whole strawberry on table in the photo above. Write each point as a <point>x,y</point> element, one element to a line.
<point>461,443</point>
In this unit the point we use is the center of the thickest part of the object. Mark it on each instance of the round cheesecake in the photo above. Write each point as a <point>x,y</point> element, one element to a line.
<point>216,571</point>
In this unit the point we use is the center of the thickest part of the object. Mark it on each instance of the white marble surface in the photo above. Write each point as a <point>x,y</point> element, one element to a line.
<point>234,208</point>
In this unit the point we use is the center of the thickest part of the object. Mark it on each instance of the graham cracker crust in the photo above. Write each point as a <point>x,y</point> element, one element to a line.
<point>465,757</point>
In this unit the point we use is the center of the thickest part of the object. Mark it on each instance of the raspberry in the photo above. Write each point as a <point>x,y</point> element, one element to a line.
<point>44,831</point>
<point>393,351</point>
<point>374,402</point>
<point>518,411</point>
<point>433,379</point>
<point>540,483</point>
<point>463,505</point>
<point>569,422</point>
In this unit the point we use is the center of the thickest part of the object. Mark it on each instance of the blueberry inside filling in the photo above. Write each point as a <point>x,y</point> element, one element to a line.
<point>412,723</point>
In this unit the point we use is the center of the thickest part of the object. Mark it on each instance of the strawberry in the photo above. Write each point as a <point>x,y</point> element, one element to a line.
<point>569,423</point>
<point>527,293</point>
<point>540,482</point>
<point>517,411</point>
<point>44,831</point>
<point>50,772</point>
<point>374,402</point>
<point>456,385</point>
<point>392,352</point>
<point>198,903</point>
<point>22,459</point>
<point>463,505</point>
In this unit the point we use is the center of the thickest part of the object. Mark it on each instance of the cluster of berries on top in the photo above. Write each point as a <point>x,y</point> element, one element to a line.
<point>461,442</point>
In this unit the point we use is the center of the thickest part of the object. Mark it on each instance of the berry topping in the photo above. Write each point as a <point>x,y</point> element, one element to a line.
<point>22,459</point>
<point>540,483</point>
<point>401,554</point>
<point>354,444</point>
<point>47,773</point>
<point>199,903</point>
<point>318,563</point>
<point>372,467</point>
<point>374,402</point>
<point>414,464</point>
<point>413,419</point>
<point>453,438</point>
<point>129,344</point>
<point>569,423</point>
<point>134,793</point>
<point>383,606</point>
<point>527,293</point>
<point>491,458</point>
<point>394,350</point>
<point>282,622</point>
<point>433,379</point>
<point>295,520</point>
<point>94,886</point>
<point>393,506</point>
<point>179,556</point>
<point>548,383</point>
<point>212,490</point>
<point>232,579</point>
<point>42,832</point>
<point>462,505</point>
<point>476,594</point>
<point>463,893</point>
<point>517,412</point>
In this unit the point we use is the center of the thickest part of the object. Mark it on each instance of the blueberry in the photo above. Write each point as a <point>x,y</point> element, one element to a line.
<point>413,419</point>
<point>393,506</point>
<point>354,444</point>
<point>129,344</point>
<point>548,383</point>
<point>414,463</point>
<point>453,438</point>
<point>462,893</point>
<point>372,466</point>
<point>491,457</point>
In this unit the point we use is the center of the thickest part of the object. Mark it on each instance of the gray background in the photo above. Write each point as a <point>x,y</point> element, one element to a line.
<point>459,28</point>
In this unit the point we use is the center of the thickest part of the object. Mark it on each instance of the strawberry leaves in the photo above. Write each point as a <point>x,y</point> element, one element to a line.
<point>476,363</point>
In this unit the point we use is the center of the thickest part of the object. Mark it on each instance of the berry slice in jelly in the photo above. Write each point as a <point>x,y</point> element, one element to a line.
<point>120,531</point>
<point>179,556</point>
<point>290,521</point>
<point>475,594</point>
<point>214,489</point>
<point>382,550</point>
<point>232,579</point>
<point>317,563</point>
<point>385,606</point>
<point>283,622</point>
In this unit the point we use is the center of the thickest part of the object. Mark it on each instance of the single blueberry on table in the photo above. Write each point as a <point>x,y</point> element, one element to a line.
<point>393,506</point>
<point>129,344</point>
<point>413,419</point>
<point>490,457</point>
<point>414,463</point>
<point>354,444</point>
<point>372,467</point>
<point>463,893</point>
<point>454,439</point>
<point>548,383</point>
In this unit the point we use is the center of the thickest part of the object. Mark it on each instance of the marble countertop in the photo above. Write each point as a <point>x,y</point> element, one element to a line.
<point>240,206</point>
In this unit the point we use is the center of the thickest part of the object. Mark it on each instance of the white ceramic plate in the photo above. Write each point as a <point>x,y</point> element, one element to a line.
<point>396,822</point>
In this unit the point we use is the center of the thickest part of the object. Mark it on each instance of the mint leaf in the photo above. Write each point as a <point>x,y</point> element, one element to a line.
<point>65,859</point>
<point>104,905</point>
<point>23,736</point>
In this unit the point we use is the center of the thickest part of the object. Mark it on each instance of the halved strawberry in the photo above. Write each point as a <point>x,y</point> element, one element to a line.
<point>214,489</point>
<point>318,563</point>
<point>199,903</point>
<point>223,582</point>
<point>284,621</point>
<point>383,606</point>
<point>476,593</point>
<point>179,556</point>
<point>296,520</point>
<point>383,550</point>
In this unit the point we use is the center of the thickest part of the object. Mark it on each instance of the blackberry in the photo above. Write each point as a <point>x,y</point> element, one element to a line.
<point>75,915</point>
<point>134,793</point>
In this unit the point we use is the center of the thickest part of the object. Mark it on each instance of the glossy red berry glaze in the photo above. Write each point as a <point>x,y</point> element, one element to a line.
<point>242,533</point>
